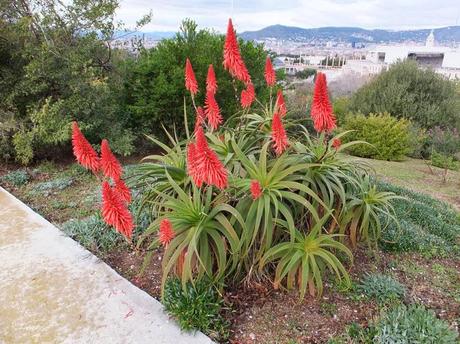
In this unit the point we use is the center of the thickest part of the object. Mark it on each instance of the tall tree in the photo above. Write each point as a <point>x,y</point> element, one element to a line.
<point>57,66</point>
<point>155,87</point>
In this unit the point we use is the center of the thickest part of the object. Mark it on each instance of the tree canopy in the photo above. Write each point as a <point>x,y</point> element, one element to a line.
<point>155,88</point>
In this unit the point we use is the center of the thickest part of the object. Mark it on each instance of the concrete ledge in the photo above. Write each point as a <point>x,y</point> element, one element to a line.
<point>54,291</point>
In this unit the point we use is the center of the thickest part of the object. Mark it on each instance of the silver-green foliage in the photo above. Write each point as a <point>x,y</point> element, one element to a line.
<point>413,324</point>
<point>382,288</point>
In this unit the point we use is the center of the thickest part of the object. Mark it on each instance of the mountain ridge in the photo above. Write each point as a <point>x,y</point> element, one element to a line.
<point>448,34</point>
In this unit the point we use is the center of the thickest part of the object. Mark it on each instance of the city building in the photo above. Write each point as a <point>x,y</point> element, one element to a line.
<point>444,60</point>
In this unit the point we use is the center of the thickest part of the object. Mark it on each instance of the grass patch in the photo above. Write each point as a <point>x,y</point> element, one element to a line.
<point>417,175</point>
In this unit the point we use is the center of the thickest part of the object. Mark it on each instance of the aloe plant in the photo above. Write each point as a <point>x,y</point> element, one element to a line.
<point>304,260</point>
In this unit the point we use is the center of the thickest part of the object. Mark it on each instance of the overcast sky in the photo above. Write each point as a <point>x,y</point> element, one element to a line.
<point>254,15</point>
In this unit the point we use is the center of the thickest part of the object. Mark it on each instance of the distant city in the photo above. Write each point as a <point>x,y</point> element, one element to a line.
<point>343,50</point>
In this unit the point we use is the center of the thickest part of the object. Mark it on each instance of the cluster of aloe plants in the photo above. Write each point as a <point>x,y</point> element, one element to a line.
<point>257,197</point>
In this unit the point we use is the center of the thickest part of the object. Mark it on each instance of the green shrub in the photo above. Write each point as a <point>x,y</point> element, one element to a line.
<point>408,91</point>
<point>444,161</point>
<point>413,324</point>
<point>426,225</point>
<point>154,86</point>
<point>340,107</point>
<point>92,233</point>
<point>387,136</point>
<point>197,307</point>
<point>16,178</point>
<point>382,288</point>
<point>44,85</point>
<point>418,142</point>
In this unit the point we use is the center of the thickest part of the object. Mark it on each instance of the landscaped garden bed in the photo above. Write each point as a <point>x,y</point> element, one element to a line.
<point>257,230</point>
<point>260,312</point>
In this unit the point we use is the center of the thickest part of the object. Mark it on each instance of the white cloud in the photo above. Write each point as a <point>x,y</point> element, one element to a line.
<point>254,15</point>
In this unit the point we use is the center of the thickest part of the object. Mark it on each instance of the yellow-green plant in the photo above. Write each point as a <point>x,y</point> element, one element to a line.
<point>302,262</point>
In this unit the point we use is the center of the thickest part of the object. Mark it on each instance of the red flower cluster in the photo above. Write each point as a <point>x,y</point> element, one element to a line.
<point>321,108</point>
<point>122,189</point>
<point>256,190</point>
<point>114,199</point>
<point>280,105</point>
<point>83,151</point>
<point>115,212</point>
<point>336,143</point>
<point>211,83</point>
<point>192,169</point>
<point>270,76</point>
<point>212,111</point>
<point>166,233</point>
<point>247,96</point>
<point>203,164</point>
<point>279,136</point>
<point>190,80</point>
<point>233,61</point>
<point>109,163</point>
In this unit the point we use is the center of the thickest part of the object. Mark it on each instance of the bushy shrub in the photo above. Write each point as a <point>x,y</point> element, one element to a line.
<point>413,324</point>
<point>387,136</point>
<point>55,72</point>
<point>418,142</point>
<point>382,288</point>
<point>445,141</point>
<point>444,161</point>
<point>197,307</point>
<point>426,225</point>
<point>16,178</point>
<point>408,91</point>
<point>92,233</point>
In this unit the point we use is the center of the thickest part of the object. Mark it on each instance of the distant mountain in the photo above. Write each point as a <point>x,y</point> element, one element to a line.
<point>351,34</point>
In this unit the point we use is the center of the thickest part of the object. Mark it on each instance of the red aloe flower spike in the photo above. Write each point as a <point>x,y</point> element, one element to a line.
<point>200,117</point>
<point>166,233</point>
<point>233,61</point>
<point>212,111</point>
<point>122,189</point>
<point>247,96</point>
<point>192,164</point>
<point>109,163</point>
<point>280,105</point>
<point>190,80</point>
<point>83,151</point>
<point>256,190</point>
<point>321,108</point>
<point>211,83</point>
<point>270,76</point>
<point>279,137</point>
<point>115,212</point>
<point>209,168</point>
<point>336,143</point>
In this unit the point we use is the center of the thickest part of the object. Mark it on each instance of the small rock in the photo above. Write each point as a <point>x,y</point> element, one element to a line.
<point>252,336</point>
